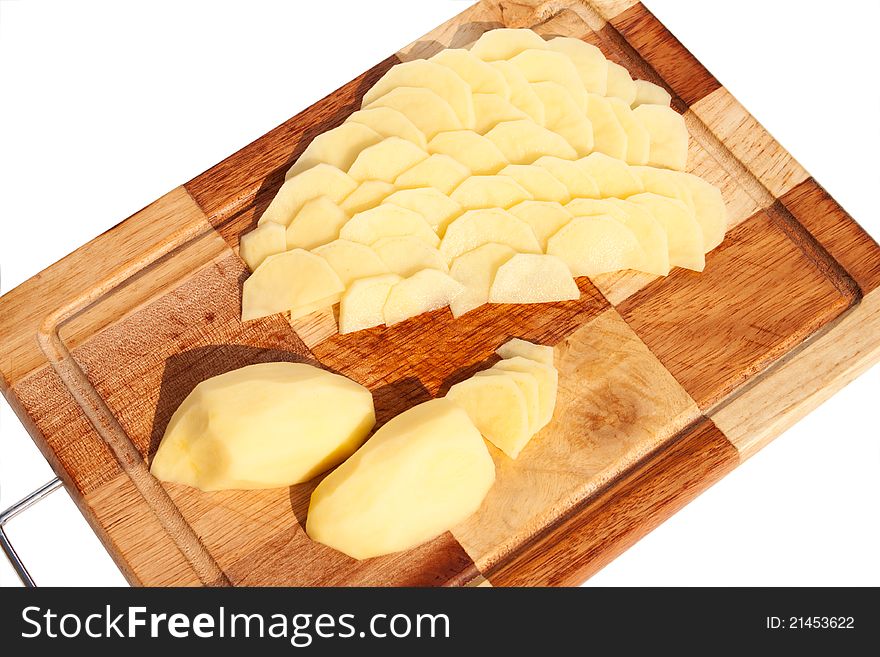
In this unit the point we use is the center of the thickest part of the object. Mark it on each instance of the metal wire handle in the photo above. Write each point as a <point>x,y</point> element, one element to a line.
<point>23,505</point>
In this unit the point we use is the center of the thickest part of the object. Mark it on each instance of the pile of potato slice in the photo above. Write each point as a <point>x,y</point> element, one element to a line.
<point>493,174</point>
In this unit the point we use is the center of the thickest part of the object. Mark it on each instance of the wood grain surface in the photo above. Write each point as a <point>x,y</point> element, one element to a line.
<point>665,384</point>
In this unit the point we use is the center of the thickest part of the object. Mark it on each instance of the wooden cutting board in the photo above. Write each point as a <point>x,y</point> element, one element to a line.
<point>665,384</point>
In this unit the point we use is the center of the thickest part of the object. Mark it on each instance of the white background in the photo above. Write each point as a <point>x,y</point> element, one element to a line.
<point>108,105</point>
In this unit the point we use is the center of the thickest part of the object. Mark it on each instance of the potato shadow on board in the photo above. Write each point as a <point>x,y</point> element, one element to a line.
<point>184,371</point>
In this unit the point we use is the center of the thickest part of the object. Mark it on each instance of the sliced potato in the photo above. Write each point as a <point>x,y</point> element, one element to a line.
<point>596,245</point>
<point>477,227</point>
<point>504,43</point>
<point>389,122</point>
<point>362,303</point>
<point>613,176</point>
<point>320,180</point>
<point>709,209</point>
<point>547,378</point>
<point>426,74</point>
<point>367,195</point>
<point>589,61</point>
<point>475,270</point>
<point>548,65</point>
<point>518,347</point>
<point>474,151</point>
<point>537,181</point>
<point>648,93</point>
<point>544,217</point>
<point>437,208</point>
<point>492,109</point>
<point>260,243</point>
<point>406,255</point>
<point>684,234</point>
<point>287,281</point>
<point>429,112</point>
<point>317,223</point>
<point>523,142</point>
<point>388,220</point>
<point>480,76</point>
<point>439,171</point>
<point>564,117</point>
<point>529,386</point>
<point>665,182</point>
<point>638,141</point>
<point>669,136</point>
<point>315,306</point>
<point>575,177</point>
<point>533,278</point>
<point>522,96</point>
<point>609,137</point>
<point>351,260</point>
<point>620,84</point>
<point>386,160</point>
<point>337,147</point>
<point>422,292</point>
<point>489,192</point>
<point>497,407</point>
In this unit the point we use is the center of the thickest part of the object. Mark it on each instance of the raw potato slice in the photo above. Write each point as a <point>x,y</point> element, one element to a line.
<point>269,425</point>
<point>709,209</point>
<point>386,160</point>
<point>666,183</point>
<point>589,61</point>
<point>362,304</point>
<point>317,223</point>
<point>609,137</point>
<point>505,43</point>
<point>523,142</point>
<point>564,117</point>
<point>351,260</point>
<point>648,93</point>
<point>437,208</point>
<point>544,217</point>
<point>420,475</point>
<point>596,245</point>
<point>620,84</point>
<point>529,386</point>
<point>422,73</point>
<point>533,278</point>
<point>489,192</point>
<point>522,95</point>
<point>517,347</point>
<point>367,195</point>
<point>287,281</point>
<point>575,177</point>
<point>497,407</point>
<point>320,180</point>
<point>338,147</point>
<point>388,221</point>
<point>537,181</point>
<point>422,292</point>
<point>262,242</point>
<point>477,227</point>
<point>638,141</point>
<point>649,232</point>
<point>474,151</point>
<point>492,109</point>
<point>439,171</point>
<point>613,177</point>
<point>682,230</point>
<point>548,382</point>
<point>475,270</point>
<point>389,122</point>
<point>669,136</point>
<point>407,255</point>
<point>547,65</point>
<point>480,76</point>
<point>429,112</point>
<point>309,308</point>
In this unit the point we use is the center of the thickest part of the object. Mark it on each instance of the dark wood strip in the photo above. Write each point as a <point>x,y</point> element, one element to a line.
<point>836,231</point>
<point>606,525</point>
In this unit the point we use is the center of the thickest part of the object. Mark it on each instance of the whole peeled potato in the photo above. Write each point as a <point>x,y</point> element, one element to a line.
<point>264,426</point>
